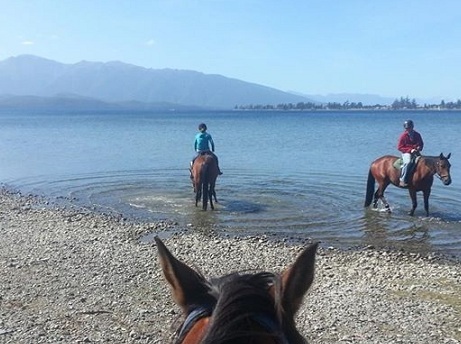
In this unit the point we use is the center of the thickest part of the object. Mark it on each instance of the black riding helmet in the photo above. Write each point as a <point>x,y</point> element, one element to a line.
<point>202,127</point>
<point>408,124</point>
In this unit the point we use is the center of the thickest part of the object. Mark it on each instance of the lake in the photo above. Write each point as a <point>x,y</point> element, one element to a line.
<point>295,174</point>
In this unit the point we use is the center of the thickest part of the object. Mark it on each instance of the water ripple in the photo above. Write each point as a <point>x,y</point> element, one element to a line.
<point>324,206</point>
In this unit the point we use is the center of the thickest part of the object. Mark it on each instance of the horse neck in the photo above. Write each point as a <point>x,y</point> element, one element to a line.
<point>431,163</point>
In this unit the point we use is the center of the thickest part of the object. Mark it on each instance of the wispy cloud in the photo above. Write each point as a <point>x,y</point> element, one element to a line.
<point>150,42</point>
<point>27,42</point>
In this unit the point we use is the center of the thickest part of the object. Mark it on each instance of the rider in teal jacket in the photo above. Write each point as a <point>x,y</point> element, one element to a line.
<point>204,144</point>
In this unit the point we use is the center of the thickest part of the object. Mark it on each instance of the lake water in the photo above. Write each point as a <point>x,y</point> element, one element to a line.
<point>296,174</point>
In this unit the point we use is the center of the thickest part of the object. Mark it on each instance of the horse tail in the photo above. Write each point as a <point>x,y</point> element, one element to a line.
<point>370,189</point>
<point>205,182</point>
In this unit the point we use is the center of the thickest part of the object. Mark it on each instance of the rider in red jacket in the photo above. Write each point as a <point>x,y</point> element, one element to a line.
<point>410,142</point>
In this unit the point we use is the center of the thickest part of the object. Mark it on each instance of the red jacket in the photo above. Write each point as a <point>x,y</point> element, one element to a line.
<point>407,143</point>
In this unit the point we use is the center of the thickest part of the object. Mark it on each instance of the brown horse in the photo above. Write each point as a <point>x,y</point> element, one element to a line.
<point>238,308</point>
<point>383,171</point>
<point>204,174</point>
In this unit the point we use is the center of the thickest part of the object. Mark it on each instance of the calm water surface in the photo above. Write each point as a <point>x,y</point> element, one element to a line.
<point>287,173</point>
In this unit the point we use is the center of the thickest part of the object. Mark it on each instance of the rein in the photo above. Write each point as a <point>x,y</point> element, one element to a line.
<point>195,315</point>
<point>441,177</point>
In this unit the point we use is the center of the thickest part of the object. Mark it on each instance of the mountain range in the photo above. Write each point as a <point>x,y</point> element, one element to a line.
<point>34,80</point>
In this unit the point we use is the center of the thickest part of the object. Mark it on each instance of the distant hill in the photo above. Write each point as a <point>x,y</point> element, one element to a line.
<point>365,99</point>
<point>101,84</point>
<point>72,103</point>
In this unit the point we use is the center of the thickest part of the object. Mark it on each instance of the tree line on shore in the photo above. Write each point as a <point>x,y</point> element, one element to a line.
<point>404,103</point>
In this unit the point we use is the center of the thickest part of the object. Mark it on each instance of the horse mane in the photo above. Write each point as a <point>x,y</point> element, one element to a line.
<point>246,309</point>
<point>430,161</point>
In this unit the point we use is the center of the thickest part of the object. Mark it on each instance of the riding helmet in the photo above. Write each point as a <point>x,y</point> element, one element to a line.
<point>202,127</point>
<point>408,124</point>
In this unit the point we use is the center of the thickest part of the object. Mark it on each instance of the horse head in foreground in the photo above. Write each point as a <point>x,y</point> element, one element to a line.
<point>204,174</point>
<point>383,171</point>
<point>239,308</point>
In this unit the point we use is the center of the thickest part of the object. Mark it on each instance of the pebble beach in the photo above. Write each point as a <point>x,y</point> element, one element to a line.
<point>70,275</point>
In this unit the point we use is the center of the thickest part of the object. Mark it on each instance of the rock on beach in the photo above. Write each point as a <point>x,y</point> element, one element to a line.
<point>69,275</point>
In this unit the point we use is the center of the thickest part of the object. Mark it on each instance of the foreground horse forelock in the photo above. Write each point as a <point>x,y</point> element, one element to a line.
<point>238,308</point>
<point>382,171</point>
<point>204,174</point>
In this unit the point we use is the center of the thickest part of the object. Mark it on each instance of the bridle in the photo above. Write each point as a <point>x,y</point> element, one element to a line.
<point>438,173</point>
<point>263,320</point>
<point>192,318</point>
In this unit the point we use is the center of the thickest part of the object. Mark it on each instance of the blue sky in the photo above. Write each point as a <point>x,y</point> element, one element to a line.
<point>390,48</point>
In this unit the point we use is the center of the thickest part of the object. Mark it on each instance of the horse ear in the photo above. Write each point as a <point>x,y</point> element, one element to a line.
<point>297,279</point>
<point>187,286</point>
<point>448,156</point>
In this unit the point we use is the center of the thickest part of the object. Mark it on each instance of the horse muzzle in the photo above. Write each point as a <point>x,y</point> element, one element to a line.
<point>446,180</point>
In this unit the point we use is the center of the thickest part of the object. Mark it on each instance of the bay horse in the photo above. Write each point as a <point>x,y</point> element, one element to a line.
<point>204,174</point>
<point>383,171</point>
<point>239,308</point>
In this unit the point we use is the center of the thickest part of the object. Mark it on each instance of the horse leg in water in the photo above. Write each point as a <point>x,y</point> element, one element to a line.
<point>210,195</point>
<point>213,192</point>
<point>198,194</point>
<point>414,202</point>
<point>379,195</point>
<point>426,194</point>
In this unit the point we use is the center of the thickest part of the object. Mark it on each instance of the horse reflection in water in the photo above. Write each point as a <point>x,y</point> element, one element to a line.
<point>383,171</point>
<point>239,308</point>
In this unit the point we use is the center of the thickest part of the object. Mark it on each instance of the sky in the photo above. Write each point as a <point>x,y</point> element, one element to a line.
<point>390,48</point>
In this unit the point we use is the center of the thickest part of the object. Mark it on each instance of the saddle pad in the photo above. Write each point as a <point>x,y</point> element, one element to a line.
<point>399,162</point>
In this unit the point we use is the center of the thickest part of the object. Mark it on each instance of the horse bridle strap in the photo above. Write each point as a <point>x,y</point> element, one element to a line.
<point>263,320</point>
<point>437,169</point>
<point>195,315</point>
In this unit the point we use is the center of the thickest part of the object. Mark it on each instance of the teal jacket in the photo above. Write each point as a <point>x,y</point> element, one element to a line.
<point>203,141</point>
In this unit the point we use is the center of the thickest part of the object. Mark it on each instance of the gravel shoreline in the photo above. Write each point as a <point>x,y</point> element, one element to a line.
<point>69,275</point>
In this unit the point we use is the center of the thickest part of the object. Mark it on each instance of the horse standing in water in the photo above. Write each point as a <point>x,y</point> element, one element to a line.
<point>204,174</point>
<point>383,171</point>
<point>239,308</point>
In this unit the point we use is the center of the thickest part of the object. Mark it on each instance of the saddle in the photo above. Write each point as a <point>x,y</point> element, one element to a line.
<point>205,153</point>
